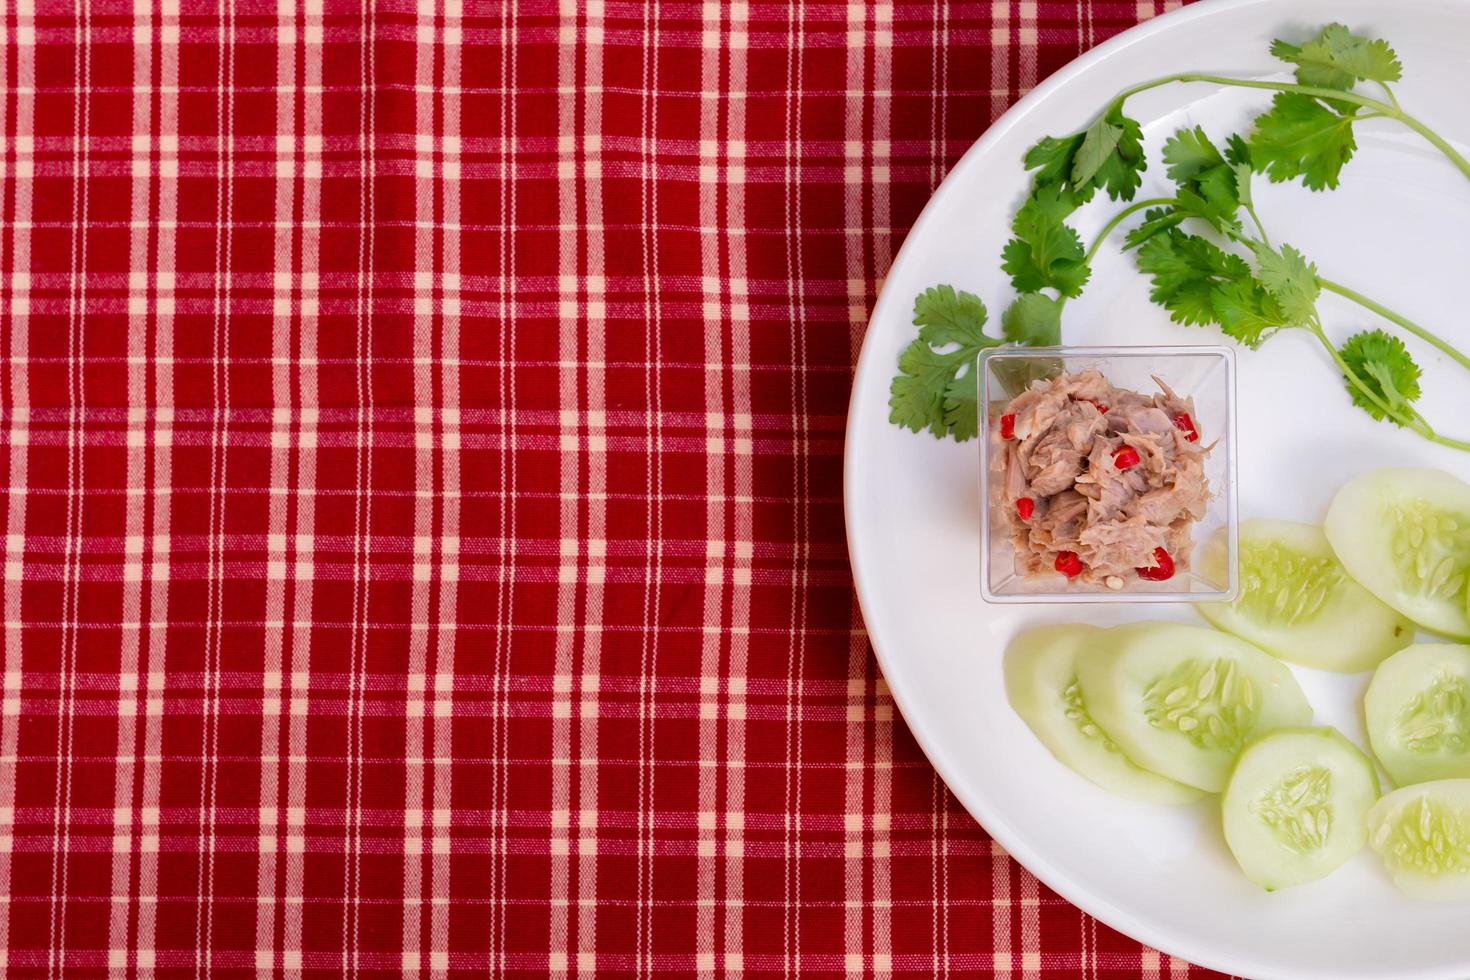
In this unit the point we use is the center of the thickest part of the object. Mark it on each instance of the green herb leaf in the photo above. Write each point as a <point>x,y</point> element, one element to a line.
<point>1301,137</point>
<point>961,404</point>
<point>1046,251</point>
<point>1099,142</point>
<point>1052,159</point>
<point>1338,58</point>
<point>947,316</point>
<point>1207,182</point>
<point>1033,319</point>
<point>1155,220</point>
<point>1185,270</point>
<point>929,391</point>
<point>1291,279</point>
<point>1121,173</point>
<point>1108,154</point>
<point>1384,365</point>
<point>1246,311</point>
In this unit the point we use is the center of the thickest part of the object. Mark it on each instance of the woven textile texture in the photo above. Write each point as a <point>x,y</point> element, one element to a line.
<point>423,547</point>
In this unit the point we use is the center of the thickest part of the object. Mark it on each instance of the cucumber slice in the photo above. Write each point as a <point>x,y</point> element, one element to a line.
<point>1296,805</point>
<point>1405,535</point>
<point>1423,835</point>
<point>1418,713</point>
<point>1041,683</point>
<point>1298,603</point>
<point>1183,701</point>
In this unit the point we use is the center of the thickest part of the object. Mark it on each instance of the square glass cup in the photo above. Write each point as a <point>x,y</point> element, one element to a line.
<point>1206,374</point>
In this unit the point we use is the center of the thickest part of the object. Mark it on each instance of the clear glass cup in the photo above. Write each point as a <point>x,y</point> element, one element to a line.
<point>1206,374</point>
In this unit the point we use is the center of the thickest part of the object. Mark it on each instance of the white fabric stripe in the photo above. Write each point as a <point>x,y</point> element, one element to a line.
<point>498,750</point>
<point>715,510</point>
<point>594,376</point>
<point>219,482</point>
<point>155,572</point>
<point>18,241</point>
<point>856,938</point>
<point>568,388</point>
<point>1000,60</point>
<point>732,937</point>
<point>447,618</point>
<point>285,290</point>
<point>363,512</point>
<point>1027,49</point>
<point>135,507</point>
<point>647,730</point>
<point>800,484</point>
<point>76,484</point>
<point>296,683</point>
<point>882,257</point>
<point>1030,923</point>
<point>428,149</point>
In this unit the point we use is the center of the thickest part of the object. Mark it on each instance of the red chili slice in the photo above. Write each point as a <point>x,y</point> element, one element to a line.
<point>1068,564</point>
<point>1185,424</point>
<point>1163,569</point>
<point>1126,457</point>
<point>1025,506</point>
<point>1103,409</point>
<point>1008,427</point>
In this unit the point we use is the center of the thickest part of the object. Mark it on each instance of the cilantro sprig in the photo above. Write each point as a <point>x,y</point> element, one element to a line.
<point>1205,248</point>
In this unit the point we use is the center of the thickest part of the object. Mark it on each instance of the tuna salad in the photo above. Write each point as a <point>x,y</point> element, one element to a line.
<point>1097,483</point>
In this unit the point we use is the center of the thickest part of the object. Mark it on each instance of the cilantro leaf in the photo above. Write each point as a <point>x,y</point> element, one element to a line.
<point>1301,137</point>
<point>930,390</point>
<point>1107,154</point>
<point>1045,251</point>
<point>1290,278</point>
<point>1052,159</point>
<point>1246,311</point>
<point>1383,364</point>
<point>1155,220</point>
<point>1189,153</point>
<point>961,405</point>
<point>1338,58</point>
<point>945,315</point>
<point>1237,151</point>
<point>1208,186</point>
<point>1185,270</point>
<point>1121,172</point>
<point>1033,319</point>
<point>1099,141</point>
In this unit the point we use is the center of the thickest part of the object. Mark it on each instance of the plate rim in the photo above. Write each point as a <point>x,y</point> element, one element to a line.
<point>1203,953</point>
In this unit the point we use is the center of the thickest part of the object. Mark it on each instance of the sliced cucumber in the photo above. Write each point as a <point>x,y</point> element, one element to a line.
<point>1298,602</point>
<point>1296,805</point>
<point>1418,713</point>
<point>1423,835</point>
<point>1183,701</point>
<point>1041,682</point>
<point>1405,535</point>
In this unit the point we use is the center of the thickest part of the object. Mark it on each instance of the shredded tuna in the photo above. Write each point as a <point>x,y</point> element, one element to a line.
<point>1062,458</point>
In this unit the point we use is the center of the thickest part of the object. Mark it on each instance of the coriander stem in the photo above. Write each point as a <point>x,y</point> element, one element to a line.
<point>1393,317</point>
<point>1448,441</point>
<point>1389,92</point>
<point>1117,219</point>
<point>1250,209</point>
<point>1438,141</point>
<point>1390,108</point>
<point>1311,90</point>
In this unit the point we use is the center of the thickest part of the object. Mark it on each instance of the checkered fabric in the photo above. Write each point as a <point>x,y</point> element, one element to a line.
<point>422,430</point>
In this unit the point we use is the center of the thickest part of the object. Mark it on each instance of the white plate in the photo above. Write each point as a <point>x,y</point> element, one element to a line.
<point>1395,229</point>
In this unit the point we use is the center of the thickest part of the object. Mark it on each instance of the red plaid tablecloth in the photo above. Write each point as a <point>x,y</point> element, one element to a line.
<point>422,436</point>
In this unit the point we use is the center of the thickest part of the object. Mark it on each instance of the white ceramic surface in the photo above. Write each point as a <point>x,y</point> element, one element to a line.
<point>1395,229</point>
